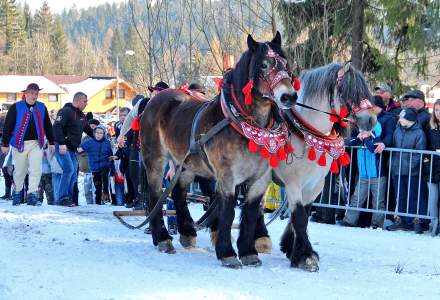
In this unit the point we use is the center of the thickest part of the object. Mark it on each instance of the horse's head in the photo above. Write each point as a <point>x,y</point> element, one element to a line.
<point>352,90</point>
<point>263,70</point>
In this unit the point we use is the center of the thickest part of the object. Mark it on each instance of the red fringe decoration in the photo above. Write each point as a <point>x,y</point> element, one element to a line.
<point>312,153</point>
<point>273,162</point>
<point>343,124</point>
<point>252,146</point>
<point>219,83</point>
<point>344,159</point>
<point>343,113</point>
<point>334,168</point>
<point>288,148</point>
<point>135,125</point>
<point>296,84</point>
<point>282,154</point>
<point>184,87</point>
<point>247,91</point>
<point>333,116</point>
<point>322,161</point>
<point>264,152</point>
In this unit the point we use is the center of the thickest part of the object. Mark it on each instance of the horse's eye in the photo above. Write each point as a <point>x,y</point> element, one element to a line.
<point>264,65</point>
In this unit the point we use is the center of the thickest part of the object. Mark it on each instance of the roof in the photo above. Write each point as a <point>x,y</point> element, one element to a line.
<point>66,79</point>
<point>17,83</point>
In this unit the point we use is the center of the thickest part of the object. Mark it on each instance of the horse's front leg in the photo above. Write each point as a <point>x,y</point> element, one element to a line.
<point>223,246</point>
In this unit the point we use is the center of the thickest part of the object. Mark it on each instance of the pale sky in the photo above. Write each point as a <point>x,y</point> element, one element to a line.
<point>57,6</point>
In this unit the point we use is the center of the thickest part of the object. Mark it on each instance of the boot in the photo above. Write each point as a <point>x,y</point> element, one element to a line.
<point>33,200</point>
<point>16,200</point>
<point>7,194</point>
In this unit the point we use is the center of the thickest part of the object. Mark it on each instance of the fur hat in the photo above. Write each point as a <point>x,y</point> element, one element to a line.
<point>409,114</point>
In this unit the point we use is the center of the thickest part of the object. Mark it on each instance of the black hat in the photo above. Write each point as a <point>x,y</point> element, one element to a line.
<point>136,99</point>
<point>415,94</point>
<point>89,116</point>
<point>94,122</point>
<point>196,87</point>
<point>160,86</point>
<point>378,101</point>
<point>409,114</point>
<point>32,86</point>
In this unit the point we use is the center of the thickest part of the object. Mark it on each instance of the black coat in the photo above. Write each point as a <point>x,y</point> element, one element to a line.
<point>433,138</point>
<point>423,118</point>
<point>69,127</point>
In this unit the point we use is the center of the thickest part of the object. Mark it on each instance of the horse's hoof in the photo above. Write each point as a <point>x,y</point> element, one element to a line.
<point>251,261</point>
<point>263,245</point>
<point>187,241</point>
<point>231,262</point>
<point>166,247</point>
<point>310,264</point>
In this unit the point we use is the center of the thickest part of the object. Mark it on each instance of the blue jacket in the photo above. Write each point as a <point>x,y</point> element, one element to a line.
<point>368,161</point>
<point>98,153</point>
<point>23,117</point>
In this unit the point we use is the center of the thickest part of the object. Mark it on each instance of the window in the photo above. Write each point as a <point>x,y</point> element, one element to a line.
<point>108,94</point>
<point>121,94</point>
<point>53,98</point>
<point>11,97</point>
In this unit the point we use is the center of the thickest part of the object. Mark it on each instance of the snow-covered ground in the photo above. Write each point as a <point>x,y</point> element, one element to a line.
<point>85,253</point>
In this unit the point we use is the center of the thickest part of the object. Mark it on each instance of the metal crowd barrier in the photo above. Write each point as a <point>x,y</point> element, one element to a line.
<point>342,187</point>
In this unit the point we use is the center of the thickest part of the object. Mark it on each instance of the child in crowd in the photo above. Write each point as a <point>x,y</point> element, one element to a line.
<point>45,186</point>
<point>100,154</point>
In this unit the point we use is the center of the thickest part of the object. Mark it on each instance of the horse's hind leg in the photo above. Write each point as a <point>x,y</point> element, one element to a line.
<point>185,223</point>
<point>295,241</point>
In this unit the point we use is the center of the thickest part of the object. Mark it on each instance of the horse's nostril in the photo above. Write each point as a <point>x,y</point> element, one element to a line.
<point>288,98</point>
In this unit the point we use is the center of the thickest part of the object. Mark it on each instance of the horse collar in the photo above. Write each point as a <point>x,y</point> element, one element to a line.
<point>271,142</point>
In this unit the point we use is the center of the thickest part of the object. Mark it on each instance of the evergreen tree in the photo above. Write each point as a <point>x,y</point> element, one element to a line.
<point>28,22</point>
<point>59,47</point>
<point>10,23</point>
<point>44,20</point>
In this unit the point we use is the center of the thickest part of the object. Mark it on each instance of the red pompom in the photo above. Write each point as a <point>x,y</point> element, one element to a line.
<point>273,161</point>
<point>296,84</point>
<point>247,91</point>
<point>344,159</point>
<point>334,116</point>
<point>312,153</point>
<point>288,148</point>
<point>334,168</point>
<point>264,152</point>
<point>343,113</point>
<point>282,154</point>
<point>135,125</point>
<point>322,161</point>
<point>252,146</point>
<point>219,83</point>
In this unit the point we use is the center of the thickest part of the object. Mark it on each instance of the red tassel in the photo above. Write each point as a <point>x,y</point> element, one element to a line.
<point>184,87</point>
<point>334,168</point>
<point>273,161</point>
<point>312,153</point>
<point>343,113</point>
<point>282,154</point>
<point>247,91</point>
<point>343,124</point>
<point>252,146</point>
<point>264,152</point>
<point>219,83</point>
<point>344,159</point>
<point>296,84</point>
<point>333,116</point>
<point>322,161</point>
<point>288,148</point>
<point>135,125</point>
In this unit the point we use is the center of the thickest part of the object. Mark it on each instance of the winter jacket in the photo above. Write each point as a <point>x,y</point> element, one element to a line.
<point>83,158</point>
<point>367,160</point>
<point>393,107</point>
<point>388,123</point>
<point>407,138</point>
<point>99,153</point>
<point>69,127</point>
<point>423,118</point>
<point>433,140</point>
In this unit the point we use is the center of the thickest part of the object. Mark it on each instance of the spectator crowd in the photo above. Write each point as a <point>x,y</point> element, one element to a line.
<point>41,158</point>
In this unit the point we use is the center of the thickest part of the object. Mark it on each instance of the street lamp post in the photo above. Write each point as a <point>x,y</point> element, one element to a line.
<point>128,52</point>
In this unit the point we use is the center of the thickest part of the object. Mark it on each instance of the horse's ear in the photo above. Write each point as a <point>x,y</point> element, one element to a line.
<point>277,39</point>
<point>252,44</point>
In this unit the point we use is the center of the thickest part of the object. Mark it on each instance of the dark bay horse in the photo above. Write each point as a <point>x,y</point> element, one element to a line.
<point>318,140</point>
<point>250,99</point>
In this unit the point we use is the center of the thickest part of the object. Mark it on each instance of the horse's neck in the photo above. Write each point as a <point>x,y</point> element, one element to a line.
<point>261,113</point>
<point>317,119</point>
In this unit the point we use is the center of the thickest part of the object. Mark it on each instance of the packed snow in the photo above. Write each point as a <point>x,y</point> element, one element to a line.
<point>51,252</point>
